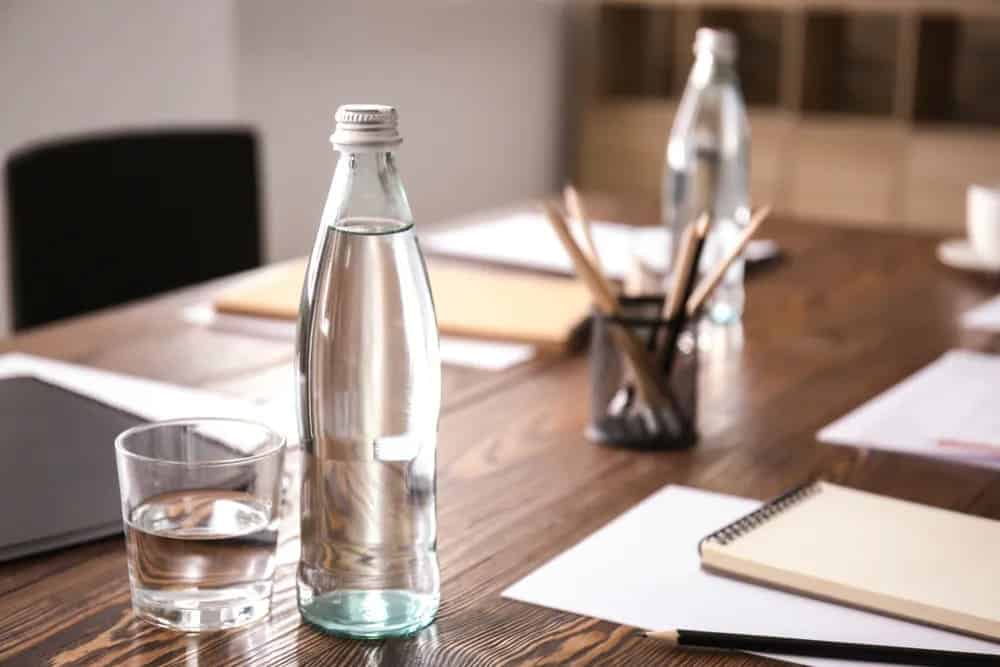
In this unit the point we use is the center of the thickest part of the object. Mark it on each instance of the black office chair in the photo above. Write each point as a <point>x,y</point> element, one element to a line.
<point>97,221</point>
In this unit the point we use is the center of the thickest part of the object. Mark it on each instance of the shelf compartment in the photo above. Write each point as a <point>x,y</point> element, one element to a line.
<point>636,54</point>
<point>646,50</point>
<point>760,35</point>
<point>850,63</point>
<point>958,70</point>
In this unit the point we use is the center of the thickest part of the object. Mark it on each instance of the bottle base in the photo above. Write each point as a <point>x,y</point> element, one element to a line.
<point>365,614</point>
<point>720,339</point>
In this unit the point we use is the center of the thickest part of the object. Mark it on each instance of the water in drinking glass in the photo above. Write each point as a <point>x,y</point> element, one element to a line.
<point>201,501</point>
<point>201,556</point>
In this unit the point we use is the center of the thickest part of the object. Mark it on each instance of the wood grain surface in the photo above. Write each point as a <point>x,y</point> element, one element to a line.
<point>845,315</point>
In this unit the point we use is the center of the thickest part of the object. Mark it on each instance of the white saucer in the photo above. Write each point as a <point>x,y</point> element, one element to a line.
<point>958,254</point>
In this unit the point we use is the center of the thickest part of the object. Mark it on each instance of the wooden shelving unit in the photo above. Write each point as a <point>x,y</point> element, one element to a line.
<point>875,112</point>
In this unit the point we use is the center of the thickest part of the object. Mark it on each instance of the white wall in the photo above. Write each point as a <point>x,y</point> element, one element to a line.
<point>478,86</point>
<point>69,67</point>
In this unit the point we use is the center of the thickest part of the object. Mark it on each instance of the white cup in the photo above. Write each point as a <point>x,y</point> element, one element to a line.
<point>982,218</point>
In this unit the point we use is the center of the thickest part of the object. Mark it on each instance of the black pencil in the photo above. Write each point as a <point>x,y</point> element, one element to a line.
<point>685,284</point>
<point>899,655</point>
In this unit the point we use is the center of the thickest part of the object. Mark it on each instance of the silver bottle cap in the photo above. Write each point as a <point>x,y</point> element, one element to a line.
<point>366,125</point>
<point>720,43</point>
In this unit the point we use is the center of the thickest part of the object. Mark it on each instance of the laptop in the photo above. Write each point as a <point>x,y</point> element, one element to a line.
<point>58,480</point>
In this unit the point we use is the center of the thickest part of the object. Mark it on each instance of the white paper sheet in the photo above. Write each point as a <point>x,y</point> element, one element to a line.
<point>642,569</point>
<point>485,355</point>
<point>525,239</point>
<point>146,398</point>
<point>985,316</point>
<point>956,397</point>
<point>204,315</point>
<point>468,352</point>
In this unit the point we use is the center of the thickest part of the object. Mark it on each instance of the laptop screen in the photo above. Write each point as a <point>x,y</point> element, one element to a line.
<point>58,480</point>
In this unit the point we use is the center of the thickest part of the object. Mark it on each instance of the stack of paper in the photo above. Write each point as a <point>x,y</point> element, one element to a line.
<point>985,316</point>
<point>526,240</point>
<point>948,409</point>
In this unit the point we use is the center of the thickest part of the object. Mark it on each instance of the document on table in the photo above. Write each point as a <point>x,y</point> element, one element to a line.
<point>948,409</point>
<point>525,239</point>
<point>643,569</point>
<point>145,398</point>
<point>456,350</point>
<point>985,316</point>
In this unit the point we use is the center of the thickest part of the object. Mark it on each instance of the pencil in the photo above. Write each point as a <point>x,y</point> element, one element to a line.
<point>571,198</point>
<point>604,298</point>
<point>899,655</point>
<point>680,291</point>
<point>685,264</point>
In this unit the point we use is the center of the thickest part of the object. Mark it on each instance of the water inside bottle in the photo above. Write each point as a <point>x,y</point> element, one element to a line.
<point>369,397</point>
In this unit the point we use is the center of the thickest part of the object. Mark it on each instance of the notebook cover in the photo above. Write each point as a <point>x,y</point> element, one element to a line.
<point>901,558</point>
<point>470,300</point>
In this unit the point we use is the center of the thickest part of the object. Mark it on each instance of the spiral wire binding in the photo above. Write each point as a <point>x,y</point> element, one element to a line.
<point>758,517</point>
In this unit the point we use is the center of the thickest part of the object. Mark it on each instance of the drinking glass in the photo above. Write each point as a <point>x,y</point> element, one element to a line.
<point>200,503</point>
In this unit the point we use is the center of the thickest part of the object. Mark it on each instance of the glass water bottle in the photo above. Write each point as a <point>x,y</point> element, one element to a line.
<point>369,395</point>
<point>708,164</point>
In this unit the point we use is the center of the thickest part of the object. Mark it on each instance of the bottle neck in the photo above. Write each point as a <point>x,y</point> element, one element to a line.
<point>367,185</point>
<point>709,69</point>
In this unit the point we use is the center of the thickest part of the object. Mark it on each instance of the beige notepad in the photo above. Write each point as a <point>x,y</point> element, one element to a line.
<point>470,300</point>
<point>901,558</point>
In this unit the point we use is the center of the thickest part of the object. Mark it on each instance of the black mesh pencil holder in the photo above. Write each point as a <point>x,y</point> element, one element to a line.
<point>621,414</point>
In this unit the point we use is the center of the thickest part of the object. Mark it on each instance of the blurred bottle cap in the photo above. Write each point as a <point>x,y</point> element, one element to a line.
<point>720,43</point>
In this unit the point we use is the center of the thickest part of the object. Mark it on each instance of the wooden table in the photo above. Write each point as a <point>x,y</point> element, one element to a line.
<point>847,314</point>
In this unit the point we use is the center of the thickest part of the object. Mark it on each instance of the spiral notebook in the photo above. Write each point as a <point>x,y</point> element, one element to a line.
<point>887,555</point>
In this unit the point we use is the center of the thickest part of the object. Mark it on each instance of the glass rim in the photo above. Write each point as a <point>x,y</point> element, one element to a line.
<point>277,441</point>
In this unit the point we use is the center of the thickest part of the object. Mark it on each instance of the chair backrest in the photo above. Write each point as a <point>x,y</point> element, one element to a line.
<point>101,220</point>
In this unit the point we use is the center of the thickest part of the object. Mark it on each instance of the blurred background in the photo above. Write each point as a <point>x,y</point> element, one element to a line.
<point>480,87</point>
<point>866,113</point>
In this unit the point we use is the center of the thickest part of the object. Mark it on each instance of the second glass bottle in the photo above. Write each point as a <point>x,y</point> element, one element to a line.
<point>708,164</point>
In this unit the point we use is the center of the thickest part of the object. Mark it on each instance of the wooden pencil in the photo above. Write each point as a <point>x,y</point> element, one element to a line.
<point>604,298</point>
<point>822,649</point>
<point>682,284</point>
<point>574,206</point>
<point>600,288</point>
<point>684,265</point>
